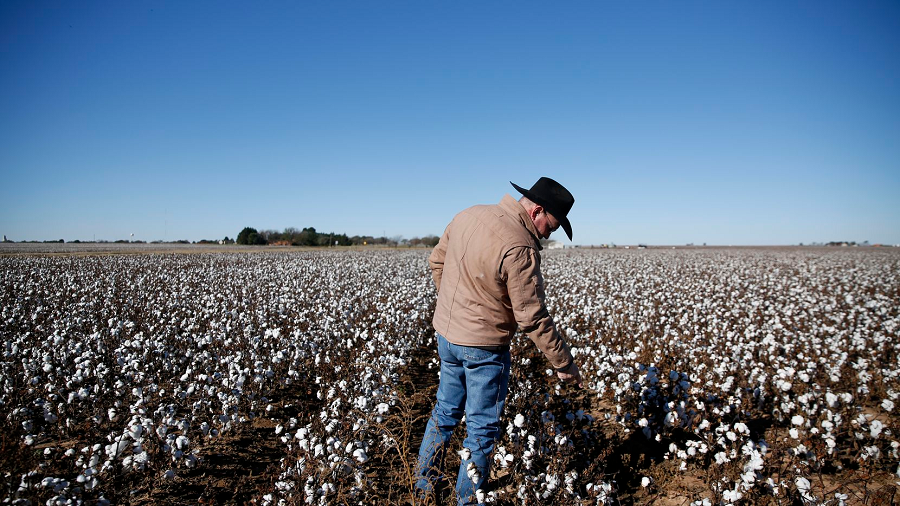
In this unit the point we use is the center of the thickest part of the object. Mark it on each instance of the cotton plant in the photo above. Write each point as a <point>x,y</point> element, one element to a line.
<point>93,342</point>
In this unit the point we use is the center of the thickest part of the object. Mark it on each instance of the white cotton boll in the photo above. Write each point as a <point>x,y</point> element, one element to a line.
<point>472,472</point>
<point>519,420</point>
<point>732,495</point>
<point>803,486</point>
<point>111,413</point>
<point>794,433</point>
<point>754,464</point>
<point>875,429</point>
<point>169,474</point>
<point>116,449</point>
<point>797,420</point>
<point>382,408</point>
<point>360,455</point>
<point>465,454</point>
<point>887,405</point>
<point>871,451</point>
<point>140,461</point>
<point>645,482</point>
<point>748,478</point>
<point>479,496</point>
<point>182,442</point>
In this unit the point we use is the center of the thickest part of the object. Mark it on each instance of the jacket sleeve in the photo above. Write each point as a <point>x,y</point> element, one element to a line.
<point>436,260</point>
<point>521,268</point>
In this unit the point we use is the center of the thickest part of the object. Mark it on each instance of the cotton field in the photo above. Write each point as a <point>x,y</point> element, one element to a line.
<point>712,376</point>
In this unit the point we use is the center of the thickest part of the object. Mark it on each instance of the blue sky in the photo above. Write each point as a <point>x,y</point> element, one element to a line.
<point>671,122</point>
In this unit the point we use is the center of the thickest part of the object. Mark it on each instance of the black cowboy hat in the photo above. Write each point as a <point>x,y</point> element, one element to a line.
<point>553,197</point>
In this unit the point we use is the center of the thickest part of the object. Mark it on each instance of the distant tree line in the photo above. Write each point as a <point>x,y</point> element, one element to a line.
<point>310,237</point>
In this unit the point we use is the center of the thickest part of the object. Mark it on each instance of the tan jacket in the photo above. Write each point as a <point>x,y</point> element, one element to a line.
<point>487,270</point>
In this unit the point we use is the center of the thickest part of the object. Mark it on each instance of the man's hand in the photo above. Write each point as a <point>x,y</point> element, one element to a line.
<point>571,374</point>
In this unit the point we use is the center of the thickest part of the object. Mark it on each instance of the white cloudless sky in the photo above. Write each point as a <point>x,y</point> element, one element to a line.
<point>671,122</point>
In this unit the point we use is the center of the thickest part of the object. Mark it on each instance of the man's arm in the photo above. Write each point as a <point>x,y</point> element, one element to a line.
<point>436,260</point>
<point>522,270</point>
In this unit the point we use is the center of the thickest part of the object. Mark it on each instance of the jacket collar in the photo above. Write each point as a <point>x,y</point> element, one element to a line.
<point>513,206</point>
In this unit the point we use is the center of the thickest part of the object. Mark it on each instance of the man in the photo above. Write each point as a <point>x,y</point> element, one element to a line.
<point>487,271</point>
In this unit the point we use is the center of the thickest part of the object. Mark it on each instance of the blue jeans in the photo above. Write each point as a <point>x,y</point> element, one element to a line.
<point>473,382</point>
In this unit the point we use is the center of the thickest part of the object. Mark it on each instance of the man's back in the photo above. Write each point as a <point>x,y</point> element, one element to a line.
<point>473,306</point>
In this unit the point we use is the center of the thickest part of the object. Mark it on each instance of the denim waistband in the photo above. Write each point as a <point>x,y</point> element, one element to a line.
<point>499,347</point>
<point>494,348</point>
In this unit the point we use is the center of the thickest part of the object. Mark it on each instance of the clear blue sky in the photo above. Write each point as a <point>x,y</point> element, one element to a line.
<point>763,122</point>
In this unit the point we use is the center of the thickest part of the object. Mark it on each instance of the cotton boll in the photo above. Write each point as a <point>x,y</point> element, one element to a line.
<point>472,472</point>
<point>875,428</point>
<point>117,448</point>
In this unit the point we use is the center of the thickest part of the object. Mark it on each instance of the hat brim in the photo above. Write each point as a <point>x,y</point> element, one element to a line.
<point>563,222</point>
